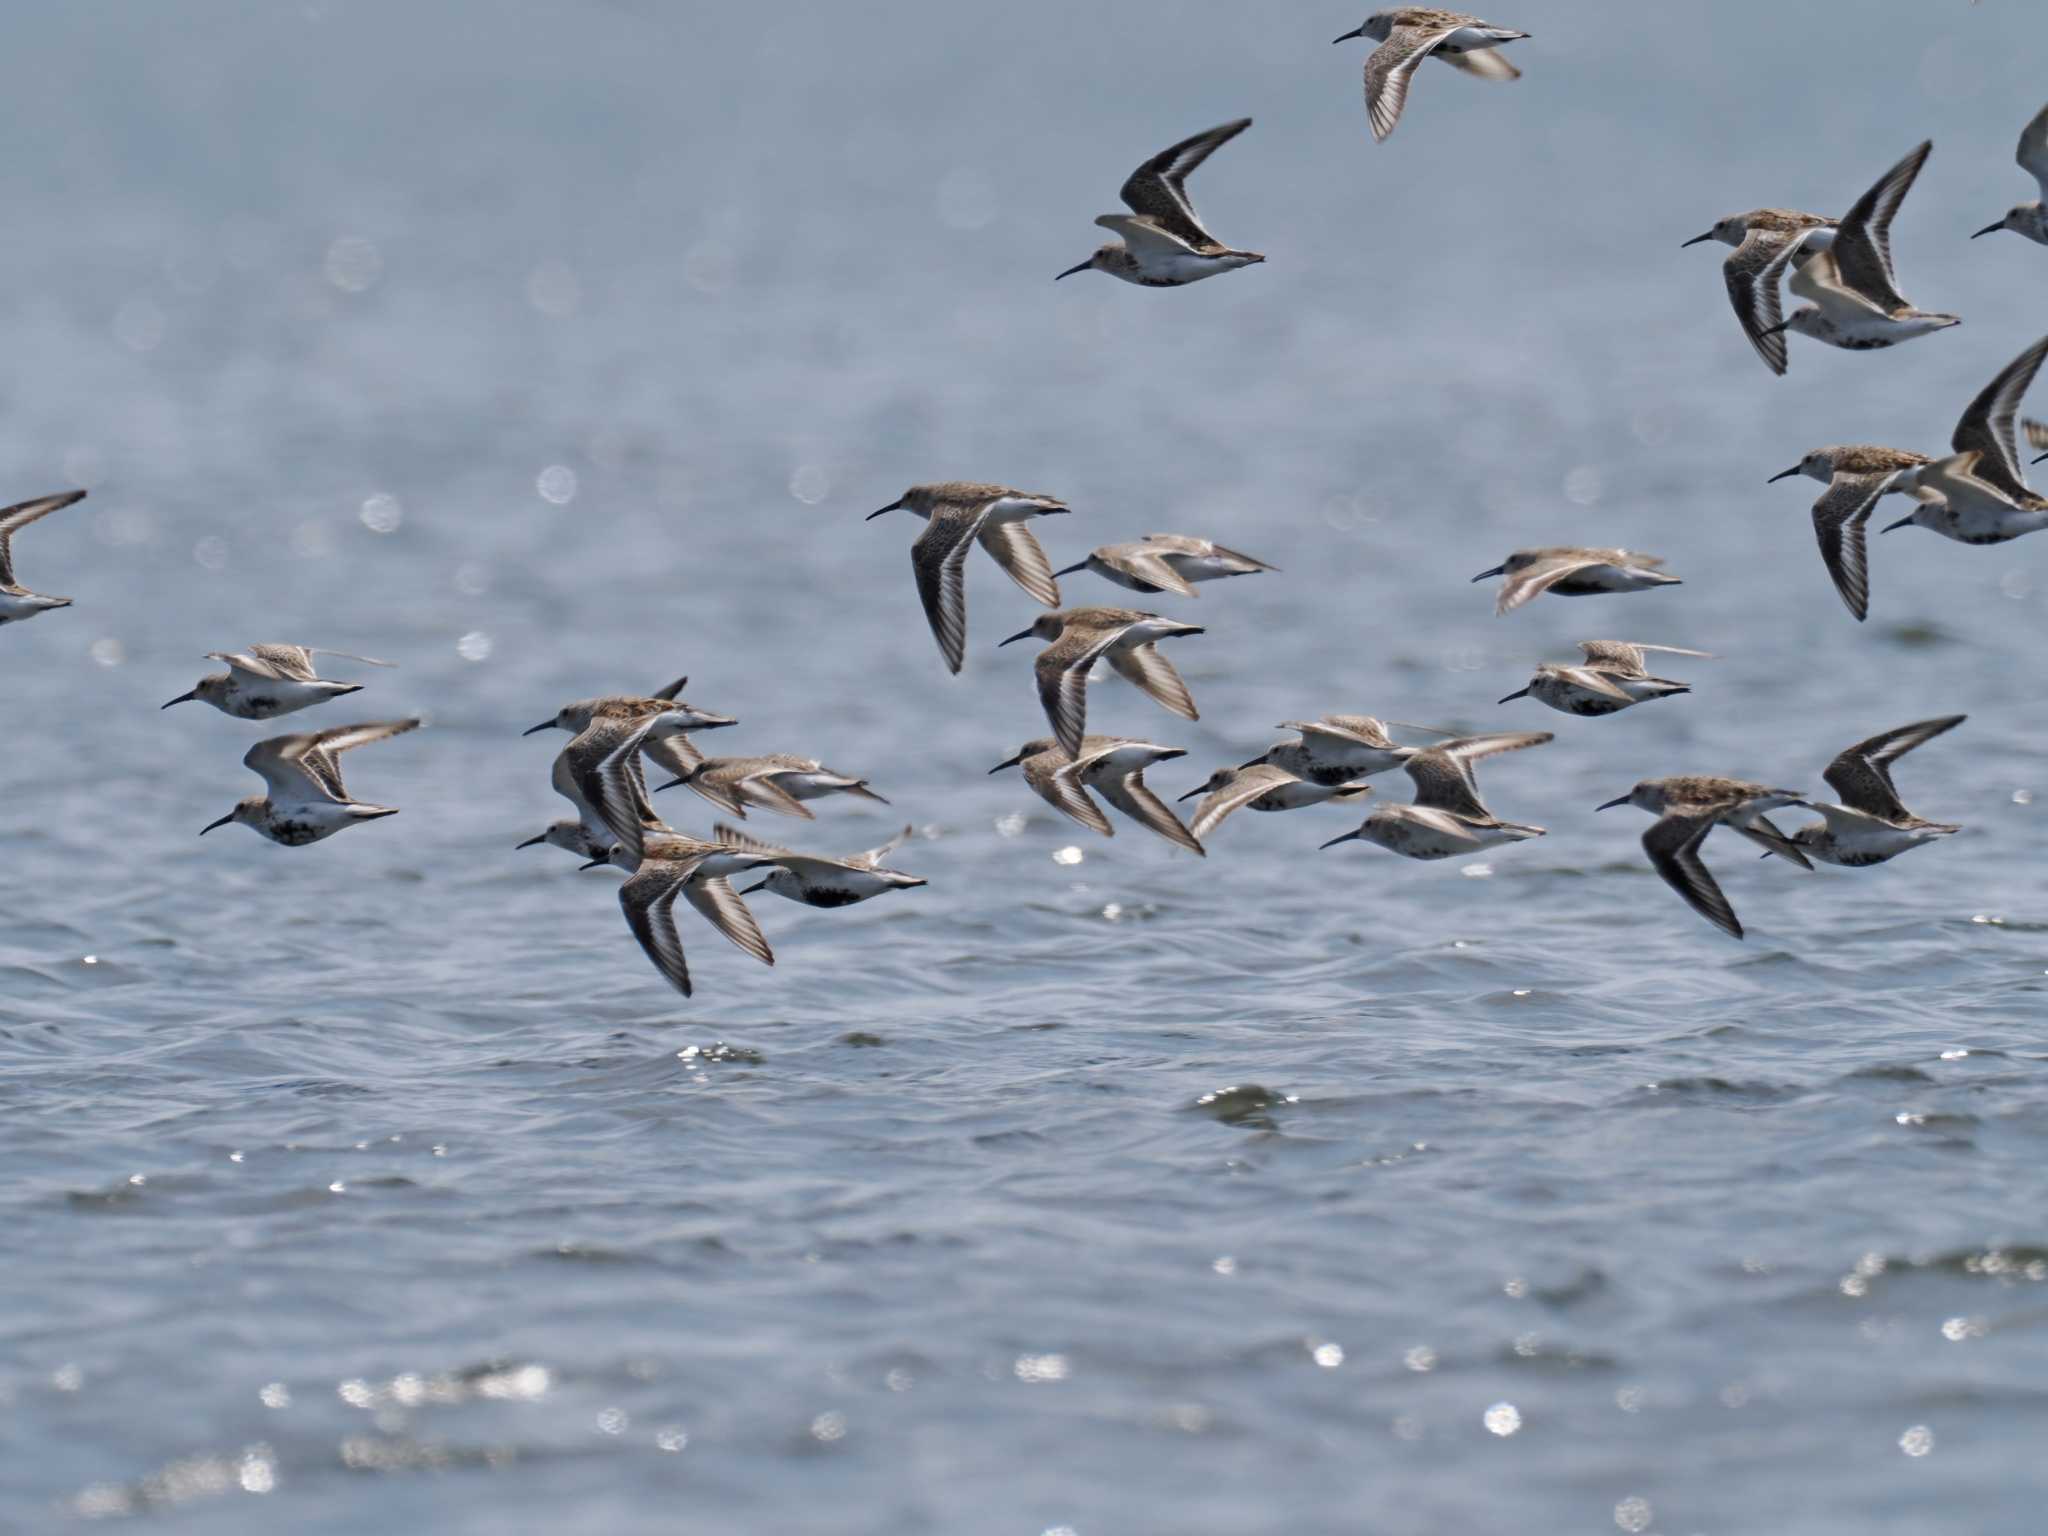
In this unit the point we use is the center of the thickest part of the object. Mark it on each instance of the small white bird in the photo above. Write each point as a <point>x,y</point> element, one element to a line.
<point>270,680</point>
<point>1447,818</point>
<point>1979,494</point>
<point>1408,34</point>
<point>307,800</point>
<point>1872,823</point>
<point>1166,562</point>
<point>1164,244</point>
<point>2029,219</point>
<point>1856,299</point>
<point>1613,677</point>
<point>817,881</point>
<point>1569,571</point>
<point>17,603</point>
<point>1261,786</point>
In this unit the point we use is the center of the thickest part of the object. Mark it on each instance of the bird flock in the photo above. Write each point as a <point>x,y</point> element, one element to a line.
<point>1842,268</point>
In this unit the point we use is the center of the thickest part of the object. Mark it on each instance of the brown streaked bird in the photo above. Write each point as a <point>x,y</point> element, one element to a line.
<point>1167,562</point>
<point>1164,244</point>
<point>270,680</point>
<point>1872,824</point>
<point>1126,639</point>
<point>1856,475</point>
<point>1613,677</point>
<point>1447,819</point>
<point>668,746</point>
<point>17,603</point>
<point>1261,786</point>
<point>1113,766</point>
<point>958,515</point>
<point>1759,236</point>
<point>775,782</point>
<point>1855,293</point>
<point>1408,34</point>
<point>1572,571</point>
<point>673,865</point>
<point>817,881</point>
<point>306,800</point>
<point>1688,807</point>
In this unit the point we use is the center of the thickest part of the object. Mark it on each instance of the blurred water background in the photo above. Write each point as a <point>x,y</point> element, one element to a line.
<point>551,349</point>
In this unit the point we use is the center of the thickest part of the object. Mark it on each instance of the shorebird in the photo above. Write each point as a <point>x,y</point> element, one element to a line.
<point>673,865</point>
<point>668,744</point>
<point>1447,818</point>
<point>1979,494</point>
<point>573,836</point>
<point>1261,786</point>
<point>1690,806</point>
<point>1407,35</point>
<point>1872,824</point>
<point>1164,244</point>
<point>17,603</point>
<point>1340,748</point>
<point>1114,766</point>
<point>817,881</point>
<point>1166,562</point>
<point>1574,572</point>
<point>307,800</point>
<point>1612,678</point>
<point>269,680</point>
<point>1856,475</point>
<point>776,782</point>
<point>959,514</point>
<point>2029,219</point>
<point>1855,293</point>
<point>1759,236</point>
<point>1123,637</point>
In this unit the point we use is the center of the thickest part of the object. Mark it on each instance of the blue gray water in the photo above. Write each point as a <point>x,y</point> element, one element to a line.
<point>551,349</point>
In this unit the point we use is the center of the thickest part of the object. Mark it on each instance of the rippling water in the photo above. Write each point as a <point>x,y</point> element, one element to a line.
<point>550,350</point>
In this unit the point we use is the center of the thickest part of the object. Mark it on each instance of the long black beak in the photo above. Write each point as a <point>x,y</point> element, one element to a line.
<point>1498,570</point>
<point>2043,456</point>
<point>1611,804</point>
<point>1776,329</point>
<point>671,784</point>
<point>1081,268</point>
<point>1783,474</point>
<point>1696,239</point>
<point>1348,36</point>
<point>182,698</point>
<point>1023,635</point>
<point>1179,799</point>
<point>221,823</point>
<point>531,841</point>
<point>892,507</point>
<point>545,725</point>
<point>1008,762</point>
<point>1990,229</point>
<point>753,888</point>
<point>1063,571</point>
<point>1903,522</point>
<point>1519,693</point>
<point>1333,842</point>
<point>599,863</point>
